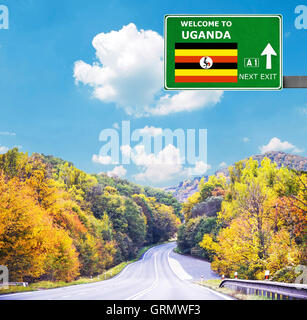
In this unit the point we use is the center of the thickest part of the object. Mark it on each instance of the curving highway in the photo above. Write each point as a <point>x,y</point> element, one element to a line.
<point>161,274</point>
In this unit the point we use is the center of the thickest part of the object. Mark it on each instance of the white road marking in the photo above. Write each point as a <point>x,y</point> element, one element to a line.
<point>153,286</point>
<point>183,275</point>
<point>220,294</point>
<point>177,268</point>
<point>18,293</point>
<point>134,263</point>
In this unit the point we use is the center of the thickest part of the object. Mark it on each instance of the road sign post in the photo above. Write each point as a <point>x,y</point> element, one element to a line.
<point>295,82</point>
<point>228,52</point>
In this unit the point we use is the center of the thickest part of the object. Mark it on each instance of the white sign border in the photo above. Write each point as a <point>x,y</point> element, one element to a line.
<point>279,16</point>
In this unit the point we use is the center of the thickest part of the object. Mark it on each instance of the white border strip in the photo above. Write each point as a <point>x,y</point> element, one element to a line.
<point>279,16</point>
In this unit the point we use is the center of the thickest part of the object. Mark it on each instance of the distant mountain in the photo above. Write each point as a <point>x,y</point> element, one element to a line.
<point>281,159</point>
<point>187,187</point>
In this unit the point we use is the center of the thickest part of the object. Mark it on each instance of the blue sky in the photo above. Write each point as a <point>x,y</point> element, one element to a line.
<point>44,110</point>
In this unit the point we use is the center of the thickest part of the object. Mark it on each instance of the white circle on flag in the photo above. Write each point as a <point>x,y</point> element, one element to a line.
<point>206,62</point>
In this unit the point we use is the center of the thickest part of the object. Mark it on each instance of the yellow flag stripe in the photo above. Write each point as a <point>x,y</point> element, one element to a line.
<point>206,52</point>
<point>206,72</point>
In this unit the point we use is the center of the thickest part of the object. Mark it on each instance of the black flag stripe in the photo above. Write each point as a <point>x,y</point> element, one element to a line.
<point>214,66</point>
<point>205,45</point>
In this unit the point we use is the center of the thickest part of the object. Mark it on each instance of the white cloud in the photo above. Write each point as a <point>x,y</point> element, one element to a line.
<point>185,101</point>
<point>303,110</point>
<point>118,171</point>
<point>130,68</point>
<point>163,166</point>
<point>199,169</point>
<point>129,73</point>
<point>126,150</point>
<point>246,139</point>
<point>160,167</point>
<point>7,133</point>
<point>223,164</point>
<point>169,155</point>
<point>102,159</point>
<point>3,149</point>
<point>298,150</point>
<point>151,131</point>
<point>276,144</point>
<point>157,168</point>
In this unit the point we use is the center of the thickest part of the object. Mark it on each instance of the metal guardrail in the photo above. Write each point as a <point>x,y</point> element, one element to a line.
<point>269,289</point>
<point>5,284</point>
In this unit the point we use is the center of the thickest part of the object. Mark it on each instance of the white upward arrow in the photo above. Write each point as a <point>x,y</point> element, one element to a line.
<point>268,52</point>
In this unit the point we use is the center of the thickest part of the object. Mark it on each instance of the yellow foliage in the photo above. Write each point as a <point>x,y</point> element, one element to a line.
<point>28,238</point>
<point>189,204</point>
<point>208,243</point>
<point>262,221</point>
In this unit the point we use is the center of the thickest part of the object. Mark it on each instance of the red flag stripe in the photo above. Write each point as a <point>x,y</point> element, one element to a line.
<point>206,79</point>
<point>225,59</point>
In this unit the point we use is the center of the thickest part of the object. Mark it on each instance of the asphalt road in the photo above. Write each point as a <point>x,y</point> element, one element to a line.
<point>197,268</point>
<point>159,275</point>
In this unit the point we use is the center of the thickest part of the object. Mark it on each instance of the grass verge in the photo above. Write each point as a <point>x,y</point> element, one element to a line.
<point>42,285</point>
<point>214,285</point>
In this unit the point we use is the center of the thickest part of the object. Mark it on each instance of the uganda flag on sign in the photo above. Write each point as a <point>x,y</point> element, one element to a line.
<point>206,62</point>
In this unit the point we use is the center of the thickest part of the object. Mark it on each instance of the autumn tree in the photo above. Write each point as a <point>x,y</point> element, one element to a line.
<point>58,222</point>
<point>213,186</point>
<point>162,223</point>
<point>189,204</point>
<point>257,224</point>
<point>30,245</point>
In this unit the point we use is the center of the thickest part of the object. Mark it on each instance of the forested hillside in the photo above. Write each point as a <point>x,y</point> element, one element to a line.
<point>251,221</point>
<point>189,186</point>
<point>58,222</point>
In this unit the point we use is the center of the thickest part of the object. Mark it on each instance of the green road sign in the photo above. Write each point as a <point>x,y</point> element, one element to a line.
<point>229,52</point>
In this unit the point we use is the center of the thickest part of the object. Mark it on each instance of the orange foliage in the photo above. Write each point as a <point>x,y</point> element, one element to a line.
<point>28,237</point>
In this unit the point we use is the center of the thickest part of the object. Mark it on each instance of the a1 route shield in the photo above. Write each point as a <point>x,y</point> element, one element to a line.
<point>229,52</point>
